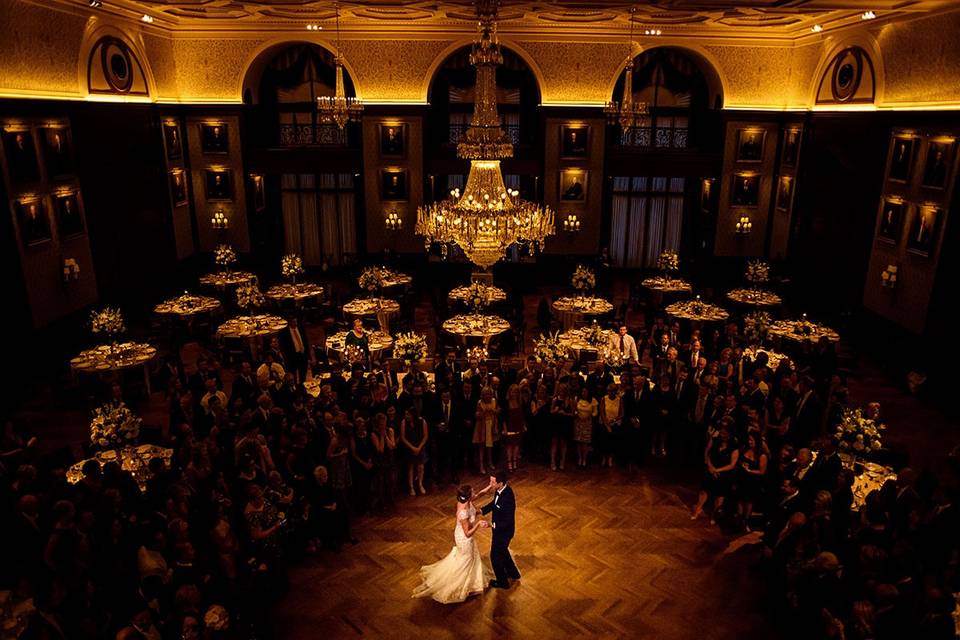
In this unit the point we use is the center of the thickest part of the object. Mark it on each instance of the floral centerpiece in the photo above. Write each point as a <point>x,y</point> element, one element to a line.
<point>249,296</point>
<point>478,296</point>
<point>224,256</point>
<point>114,426</point>
<point>858,435</point>
<point>291,266</point>
<point>477,353</point>
<point>758,272</point>
<point>548,349</point>
<point>613,358</point>
<point>352,353</point>
<point>410,347</point>
<point>755,326</point>
<point>583,278</point>
<point>371,279</point>
<point>668,261</point>
<point>108,321</point>
<point>594,335</point>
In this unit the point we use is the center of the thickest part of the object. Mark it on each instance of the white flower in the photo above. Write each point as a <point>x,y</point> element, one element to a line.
<point>291,266</point>
<point>371,279</point>
<point>108,321</point>
<point>583,278</point>
<point>248,295</point>
<point>758,272</point>
<point>548,349</point>
<point>224,255</point>
<point>410,347</point>
<point>668,261</point>
<point>478,295</point>
<point>112,426</point>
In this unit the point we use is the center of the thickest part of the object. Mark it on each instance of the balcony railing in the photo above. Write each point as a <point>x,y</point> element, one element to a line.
<point>459,129</point>
<point>654,137</point>
<point>299,135</point>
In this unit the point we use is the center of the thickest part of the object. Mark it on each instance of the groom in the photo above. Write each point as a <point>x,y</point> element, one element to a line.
<point>503,507</point>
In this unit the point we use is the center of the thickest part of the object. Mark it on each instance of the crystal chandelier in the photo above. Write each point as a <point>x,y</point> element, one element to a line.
<point>627,113</point>
<point>339,108</point>
<point>486,218</point>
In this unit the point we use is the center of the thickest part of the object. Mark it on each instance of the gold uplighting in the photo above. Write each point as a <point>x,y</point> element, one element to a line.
<point>486,218</point>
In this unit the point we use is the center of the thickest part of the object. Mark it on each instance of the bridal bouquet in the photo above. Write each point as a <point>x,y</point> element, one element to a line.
<point>291,266</point>
<point>549,350</point>
<point>410,347</point>
<point>371,279</point>
<point>249,296</point>
<point>224,256</point>
<point>108,321</point>
<point>858,434</point>
<point>758,272</point>
<point>755,326</point>
<point>112,427</point>
<point>583,278</point>
<point>594,335</point>
<point>478,295</point>
<point>668,261</point>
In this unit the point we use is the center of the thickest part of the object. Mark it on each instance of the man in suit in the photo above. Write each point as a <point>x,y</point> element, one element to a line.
<point>636,412</point>
<point>244,386</point>
<point>659,350</point>
<point>297,348</point>
<point>625,345</point>
<point>448,366</point>
<point>504,508</point>
<point>691,357</point>
<point>805,425</point>
<point>448,435</point>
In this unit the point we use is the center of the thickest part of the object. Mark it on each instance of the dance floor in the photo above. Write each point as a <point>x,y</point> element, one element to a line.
<point>602,554</point>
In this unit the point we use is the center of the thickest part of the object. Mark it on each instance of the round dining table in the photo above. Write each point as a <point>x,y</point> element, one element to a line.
<point>380,308</point>
<point>224,279</point>
<point>476,325</point>
<point>116,358</point>
<point>754,297</point>
<point>572,309</point>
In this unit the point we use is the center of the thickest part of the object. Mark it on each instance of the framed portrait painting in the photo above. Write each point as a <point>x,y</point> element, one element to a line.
<point>791,147</point>
<point>706,194</point>
<point>393,185</point>
<point>56,152</point>
<point>746,190</point>
<point>901,160</point>
<point>259,192</point>
<point>393,140</point>
<point>891,220</point>
<point>173,140</point>
<point>214,138</point>
<point>33,221</point>
<point>574,140</point>
<point>573,185</point>
<point>936,167</point>
<point>21,156</point>
<point>784,192</point>
<point>219,185</point>
<point>924,228</point>
<point>69,219</point>
<point>750,145</point>
<point>178,187</point>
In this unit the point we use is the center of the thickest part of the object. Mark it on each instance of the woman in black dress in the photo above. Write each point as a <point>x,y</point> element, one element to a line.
<point>361,453</point>
<point>413,435</point>
<point>750,476</point>
<point>721,458</point>
<point>562,409</point>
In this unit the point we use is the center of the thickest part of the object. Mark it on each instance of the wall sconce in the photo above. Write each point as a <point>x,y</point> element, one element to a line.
<point>220,220</point>
<point>71,270</point>
<point>744,226</point>
<point>393,221</point>
<point>571,223</point>
<point>888,277</point>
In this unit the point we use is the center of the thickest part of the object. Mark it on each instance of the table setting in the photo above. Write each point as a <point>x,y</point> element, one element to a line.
<point>774,358</point>
<point>754,297</point>
<point>573,308</point>
<point>592,337</point>
<point>378,341</point>
<point>251,326</point>
<point>476,325</point>
<point>697,311</point>
<point>667,284</point>
<point>134,460</point>
<point>801,330</point>
<point>477,295</point>
<point>187,305</point>
<point>297,292</point>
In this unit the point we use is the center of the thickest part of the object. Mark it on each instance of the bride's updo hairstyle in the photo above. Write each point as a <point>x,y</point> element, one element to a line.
<point>464,493</point>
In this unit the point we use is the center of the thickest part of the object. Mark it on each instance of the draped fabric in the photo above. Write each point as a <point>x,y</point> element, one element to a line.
<point>319,216</point>
<point>646,219</point>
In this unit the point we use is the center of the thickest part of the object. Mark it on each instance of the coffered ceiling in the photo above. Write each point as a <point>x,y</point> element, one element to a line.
<point>747,19</point>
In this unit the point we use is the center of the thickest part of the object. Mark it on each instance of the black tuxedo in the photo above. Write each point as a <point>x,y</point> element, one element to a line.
<point>297,359</point>
<point>504,507</point>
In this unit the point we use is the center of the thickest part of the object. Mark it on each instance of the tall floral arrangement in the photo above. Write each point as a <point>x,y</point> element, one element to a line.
<point>477,353</point>
<point>595,335</point>
<point>548,349</point>
<point>755,326</point>
<point>291,266</point>
<point>108,321</point>
<point>249,296</point>
<point>668,261</point>
<point>353,354</point>
<point>758,272</point>
<point>857,434</point>
<point>114,426</point>
<point>478,296</point>
<point>371,279</point>
<point>583,278</point>
<point>410,347</point>
<point>224,256</point>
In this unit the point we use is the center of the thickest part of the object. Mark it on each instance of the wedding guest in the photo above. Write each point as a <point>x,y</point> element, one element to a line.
<point>563,409</point>
<point>750,477</point>
<point>611,419</point>
<point>414,435</point>
<point>720,457</point>
<point>486,428</point>
<point>586,414</point>
<point>514,426</point>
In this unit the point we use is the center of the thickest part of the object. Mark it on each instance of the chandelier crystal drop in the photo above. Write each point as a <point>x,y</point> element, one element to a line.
<point>487,217</point>
<point>627,113</point>
<point>339,108</point>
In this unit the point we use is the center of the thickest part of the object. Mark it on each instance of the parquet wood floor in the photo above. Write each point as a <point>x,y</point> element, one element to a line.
<point>602,554</point>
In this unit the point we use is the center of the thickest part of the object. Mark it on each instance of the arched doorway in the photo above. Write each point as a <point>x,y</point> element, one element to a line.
<point>650,196</point>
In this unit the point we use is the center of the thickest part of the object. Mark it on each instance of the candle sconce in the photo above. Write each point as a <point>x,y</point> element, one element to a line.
<point>393,221</point>
<point>888,277</point>
<point>71,270</point>
<point>571,224</point>
<point>219,220</point>
<point>744,226</point>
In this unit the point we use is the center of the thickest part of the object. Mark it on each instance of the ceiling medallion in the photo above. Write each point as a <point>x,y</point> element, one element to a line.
<point>486,218</point>
<point>339,108</point>
<point>627,113</point>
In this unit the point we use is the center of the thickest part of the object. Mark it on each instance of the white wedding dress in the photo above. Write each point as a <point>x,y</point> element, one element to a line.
<point>462,573</point>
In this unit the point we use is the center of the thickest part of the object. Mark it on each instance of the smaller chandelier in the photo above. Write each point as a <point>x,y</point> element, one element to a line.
<point>627,113</point>
<point>339,108</point>
<point>393,221</point>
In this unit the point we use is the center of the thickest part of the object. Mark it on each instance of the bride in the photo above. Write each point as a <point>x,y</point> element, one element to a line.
<point>463,572</point>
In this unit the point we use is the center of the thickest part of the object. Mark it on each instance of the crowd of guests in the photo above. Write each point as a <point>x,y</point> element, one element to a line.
<point>271,464</point>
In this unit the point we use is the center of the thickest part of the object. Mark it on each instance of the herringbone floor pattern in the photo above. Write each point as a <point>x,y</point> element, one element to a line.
<point>602,555</point>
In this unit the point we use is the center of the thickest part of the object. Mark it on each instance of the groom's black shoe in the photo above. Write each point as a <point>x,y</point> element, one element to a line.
<point>496,584</point>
